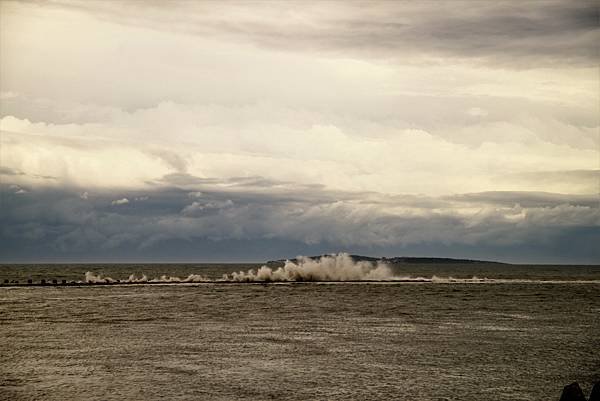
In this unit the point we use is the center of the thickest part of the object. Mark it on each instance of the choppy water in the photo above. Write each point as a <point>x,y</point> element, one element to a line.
<point>504,340</point>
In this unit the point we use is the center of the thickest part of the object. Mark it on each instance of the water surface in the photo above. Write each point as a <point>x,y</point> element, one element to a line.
<point>338,341</point>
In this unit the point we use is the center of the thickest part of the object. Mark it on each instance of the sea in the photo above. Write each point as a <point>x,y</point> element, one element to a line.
<point>427,332</point>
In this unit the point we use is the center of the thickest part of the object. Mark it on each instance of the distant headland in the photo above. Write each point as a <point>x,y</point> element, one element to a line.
<point>397,260</point>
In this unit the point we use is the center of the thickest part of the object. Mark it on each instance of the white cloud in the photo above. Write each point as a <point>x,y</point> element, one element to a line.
<point>198,208</point>
<point>130,150</point>
<point>477,112</point>
<point>122,201</point>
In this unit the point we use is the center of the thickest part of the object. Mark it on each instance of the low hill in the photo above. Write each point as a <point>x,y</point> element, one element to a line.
<point>399,260</point>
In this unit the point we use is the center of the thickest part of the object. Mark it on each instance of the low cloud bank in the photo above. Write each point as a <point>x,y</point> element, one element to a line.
<point>51,224</point>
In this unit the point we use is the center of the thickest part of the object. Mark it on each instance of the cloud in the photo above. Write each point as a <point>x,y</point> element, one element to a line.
<point>580,181</point>
<point>215,144</point>
<point>61,224</point>
<point>477,112</point>
<point>10,171</point>
<point>234,127</point>
<point>199,208</point>
<point>527,199</point>
<point>7,171</point>
<point>172,159</point>
<point>123,201</point>
<point>526,34</point>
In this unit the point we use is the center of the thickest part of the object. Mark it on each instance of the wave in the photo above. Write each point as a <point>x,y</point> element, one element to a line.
<point>332,268</point>
<point>93,278</point>
<point>336,267</point>
<point>255,277</point>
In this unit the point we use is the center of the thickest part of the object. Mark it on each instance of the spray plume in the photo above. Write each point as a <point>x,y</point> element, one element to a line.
<point>133,279</point>
<point>340,267</point>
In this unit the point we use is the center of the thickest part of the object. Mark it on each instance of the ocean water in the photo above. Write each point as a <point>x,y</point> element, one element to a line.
<point>522,334</point>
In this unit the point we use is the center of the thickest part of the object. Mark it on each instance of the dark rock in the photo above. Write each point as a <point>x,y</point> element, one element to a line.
<point>64,282</point>
<point>6,281</point>
<point>30,281</point>
<point>42,281</point>
<point>595,396</point>
<point>572,392</point>
<point>54,281</point>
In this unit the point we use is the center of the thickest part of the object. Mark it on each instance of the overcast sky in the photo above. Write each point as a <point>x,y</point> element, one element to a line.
<point>246,131</point>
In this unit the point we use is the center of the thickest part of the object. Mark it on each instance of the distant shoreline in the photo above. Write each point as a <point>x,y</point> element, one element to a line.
<point>399,260</point>
<point>391,260</point>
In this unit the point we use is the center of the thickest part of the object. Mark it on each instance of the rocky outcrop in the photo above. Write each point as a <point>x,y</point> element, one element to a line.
<point>595,395</point>
<point>572,392</point>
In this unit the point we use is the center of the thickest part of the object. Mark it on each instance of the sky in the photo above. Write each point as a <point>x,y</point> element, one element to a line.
<point>207,131</point>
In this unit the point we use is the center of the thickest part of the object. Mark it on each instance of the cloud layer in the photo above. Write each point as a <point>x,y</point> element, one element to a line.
<point>179,224</point>
<point>246,131</point>
<point>526,34</point>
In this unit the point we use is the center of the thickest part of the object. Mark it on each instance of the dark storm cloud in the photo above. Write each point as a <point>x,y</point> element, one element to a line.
<point>519,34</point>
<point>180,224</point>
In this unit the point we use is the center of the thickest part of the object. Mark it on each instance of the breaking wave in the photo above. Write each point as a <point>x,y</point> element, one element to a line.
<point>133,279</point>
<point>332,268</point>
<point>340,267</point>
